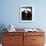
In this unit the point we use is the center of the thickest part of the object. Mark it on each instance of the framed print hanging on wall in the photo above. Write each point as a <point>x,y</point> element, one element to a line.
<point>26,13</point>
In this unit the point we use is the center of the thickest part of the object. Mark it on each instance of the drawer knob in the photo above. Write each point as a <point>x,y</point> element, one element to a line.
<point>33,39</point>
<point>11,38</point>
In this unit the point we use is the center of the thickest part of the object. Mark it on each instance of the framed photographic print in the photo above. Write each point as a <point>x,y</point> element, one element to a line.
<point>26,13</point>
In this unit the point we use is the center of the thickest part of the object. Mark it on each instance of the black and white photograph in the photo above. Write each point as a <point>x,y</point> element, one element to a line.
<point>26,14</point>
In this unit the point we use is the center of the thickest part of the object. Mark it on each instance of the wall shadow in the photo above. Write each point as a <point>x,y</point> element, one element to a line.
<point>2,29</point>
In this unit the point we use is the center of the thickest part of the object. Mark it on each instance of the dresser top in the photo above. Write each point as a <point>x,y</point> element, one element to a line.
<point>22,30</point>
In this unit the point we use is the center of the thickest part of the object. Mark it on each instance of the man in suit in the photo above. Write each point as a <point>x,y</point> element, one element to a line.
<point>26,15</point>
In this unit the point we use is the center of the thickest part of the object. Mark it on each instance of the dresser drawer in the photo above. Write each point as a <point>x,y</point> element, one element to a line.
<point>13,33</point>
<point>37,44</point>
<point>34,33</point>
<point>37,39</point>
<point>13,44</point>
<point>8,45</point>
<point>12,39</point>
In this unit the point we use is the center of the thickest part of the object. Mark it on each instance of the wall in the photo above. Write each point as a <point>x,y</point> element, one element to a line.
<point>9,13</point>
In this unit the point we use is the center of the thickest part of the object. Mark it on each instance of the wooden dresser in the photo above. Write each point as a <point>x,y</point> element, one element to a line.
<point>23,38</point>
